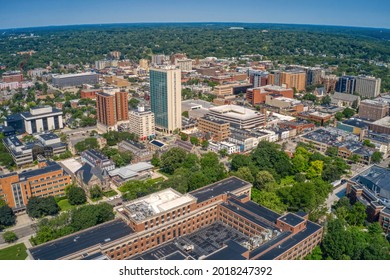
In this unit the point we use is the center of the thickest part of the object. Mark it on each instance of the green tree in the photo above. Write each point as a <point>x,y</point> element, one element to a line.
<point>87,144</point>
<point>96,192</point>
<point>205,144</point>
<point>10,236</point>
<point>197,180</point>
<point>339,116</point>
<point>245,174</point>
<point>133,103</point>
<point>76,195</point>
<point>268,199</point>
<point>185,114</point>
<point>326,100</point>
<point>172,159</point>
<point>316,254</point>
<point>84,217</point>
<point>212,168</point>
<point>223,153</point>
<point>357,214</point>
<point>38,207</point>
<point>268,156</point>
<point>376,157</point>
<point>7,216</point>
<point>263,178</point>
<point>348,112</point>
<point>194,140</point>
<point>183,136</point>
<point>155,160</point>
<point>332,151</point>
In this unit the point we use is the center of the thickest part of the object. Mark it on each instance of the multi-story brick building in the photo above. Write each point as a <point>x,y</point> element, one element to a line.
<point>111,108</point>
<point>213,222</point>
<point>258,95</point>
<point>89,93</point>
<point>219,129</point>
<point>373,110</point>
<point>12,76</point>
<point>49,179</point>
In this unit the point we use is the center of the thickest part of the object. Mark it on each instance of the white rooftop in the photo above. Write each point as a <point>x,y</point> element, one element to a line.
<point>235,111</point>
<point>72,164</point>
<point>73,75</point>
<point>157,203</point>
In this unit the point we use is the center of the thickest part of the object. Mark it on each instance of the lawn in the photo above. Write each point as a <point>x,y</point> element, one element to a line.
<point>16,252</point>
<point>65,205</point>
<point>110,193</point>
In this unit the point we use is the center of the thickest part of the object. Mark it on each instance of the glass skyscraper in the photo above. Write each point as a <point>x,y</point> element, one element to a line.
<point>165,98</point>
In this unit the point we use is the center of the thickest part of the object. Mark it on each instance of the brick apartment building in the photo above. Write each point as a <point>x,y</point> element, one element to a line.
<point>217,221</point>
<point>49,179</point>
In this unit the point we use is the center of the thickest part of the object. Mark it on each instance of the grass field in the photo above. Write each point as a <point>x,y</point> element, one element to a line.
<point>110,193</point>
<point>65,205</point>
<point>16,252</point>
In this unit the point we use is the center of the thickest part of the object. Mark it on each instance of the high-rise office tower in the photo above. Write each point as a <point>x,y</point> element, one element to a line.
<point>111,108</point>
<point>165,98</point>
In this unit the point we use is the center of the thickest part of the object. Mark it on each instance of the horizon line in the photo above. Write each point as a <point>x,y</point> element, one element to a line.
<point>189,22</point>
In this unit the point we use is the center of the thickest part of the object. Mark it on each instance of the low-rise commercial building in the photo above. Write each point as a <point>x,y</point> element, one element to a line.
<point>47,145</point>
<point>72,80</point>
<point>381,125</point>
<point>37,120</point>
<point>347,144</point>
<point>238,116</point>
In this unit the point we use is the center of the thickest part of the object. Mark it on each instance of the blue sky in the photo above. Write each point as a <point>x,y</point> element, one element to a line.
<point>28,13</point>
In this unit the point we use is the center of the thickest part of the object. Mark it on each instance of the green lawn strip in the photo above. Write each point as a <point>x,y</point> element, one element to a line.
<point>16,252</point>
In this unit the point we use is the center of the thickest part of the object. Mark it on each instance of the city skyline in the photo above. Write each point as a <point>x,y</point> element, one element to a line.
<point>62,13</point>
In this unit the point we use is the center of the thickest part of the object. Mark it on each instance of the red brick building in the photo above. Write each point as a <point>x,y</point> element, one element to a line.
<point>212,222</point>
<point>49,180</point>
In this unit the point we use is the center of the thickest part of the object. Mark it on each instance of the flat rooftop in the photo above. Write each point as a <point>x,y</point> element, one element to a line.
<point>216,241</point>
<point>227,185</point>
<point>291,219</point>
<point>156,203</point>
<point>234,111</point>
<point>48,136</point>
<point>130,170</point>
<point>290,242</point>
<point>82,240</point>
<point>383,122</point>
<point>249,216</point>
<point>73,75</point>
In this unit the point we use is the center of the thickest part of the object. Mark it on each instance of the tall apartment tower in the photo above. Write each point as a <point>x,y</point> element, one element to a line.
<point>111,108</point>
<point>141,123</point>
<point>368,86</point>
<point>165,98</point>
<point>294,79</point>
<point>346,84</point>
